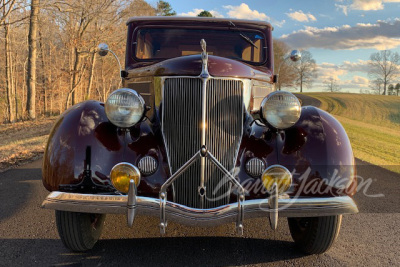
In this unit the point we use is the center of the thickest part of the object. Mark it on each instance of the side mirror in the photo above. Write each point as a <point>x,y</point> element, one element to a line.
<point>103,49</point>
<point>295,55</point>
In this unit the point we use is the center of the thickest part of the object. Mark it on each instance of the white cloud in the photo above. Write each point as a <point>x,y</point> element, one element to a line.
<point>301,16</point>
<point>381,35</point>
<point>365,5</point>
<point>216,14</point>
<point>196,11</point>
<point>244,12</point>
<point>344,8</point>
<point>329,70</point>
<point>359,66</point>
<point>360,81</point>
<point>278,23</point>
<point>339,73</point>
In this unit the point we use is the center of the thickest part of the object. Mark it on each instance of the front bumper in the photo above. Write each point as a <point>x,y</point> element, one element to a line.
<point>119,204</point>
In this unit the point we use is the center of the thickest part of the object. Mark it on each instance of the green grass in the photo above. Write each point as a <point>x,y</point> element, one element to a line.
<point>372,123</point>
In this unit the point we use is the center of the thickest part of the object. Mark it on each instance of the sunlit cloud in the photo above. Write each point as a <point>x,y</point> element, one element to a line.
<point>327,71</point>
<point>197,11</point>
<point>243,11</point>
<point>381,35</point>
<point>301,16</point>
<point>365,5</point>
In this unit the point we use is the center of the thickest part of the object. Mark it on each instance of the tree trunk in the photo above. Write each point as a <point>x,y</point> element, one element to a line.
<point>75,73</point>
<point>10,98</point>
<point>91,74</point>
<point>44,84</point>
<point>301,85</point>
<point>31,81</point>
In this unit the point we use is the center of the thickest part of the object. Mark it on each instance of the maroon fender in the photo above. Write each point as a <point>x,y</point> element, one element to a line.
<point>84,126</point>
<point>318,151</point>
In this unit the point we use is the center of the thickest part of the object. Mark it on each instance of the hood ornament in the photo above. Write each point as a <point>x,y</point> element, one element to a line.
<point>204,59</point>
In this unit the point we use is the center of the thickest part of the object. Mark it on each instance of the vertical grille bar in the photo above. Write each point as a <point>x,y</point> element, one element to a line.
<point>181,126</point>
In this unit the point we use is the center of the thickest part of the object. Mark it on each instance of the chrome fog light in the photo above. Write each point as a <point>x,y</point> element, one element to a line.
<point>125,107</point>
<point>121,174</point>
<point>281,109</point>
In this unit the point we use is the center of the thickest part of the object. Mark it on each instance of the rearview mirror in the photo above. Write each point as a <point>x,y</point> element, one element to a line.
<point>103,49</point>
<point>295,55</point>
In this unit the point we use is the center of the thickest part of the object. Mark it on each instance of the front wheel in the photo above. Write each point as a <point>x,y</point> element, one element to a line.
<point>315,235</point>
<point>79,231</point>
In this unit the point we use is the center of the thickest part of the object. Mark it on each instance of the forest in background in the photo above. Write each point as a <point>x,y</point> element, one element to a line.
<point>68,69</point>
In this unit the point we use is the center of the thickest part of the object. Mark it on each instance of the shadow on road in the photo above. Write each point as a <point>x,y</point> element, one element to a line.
<point>16,188</point>
<point>179,251</point>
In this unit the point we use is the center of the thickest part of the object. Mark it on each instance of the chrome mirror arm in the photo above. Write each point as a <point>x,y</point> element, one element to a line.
<point>103,50</point>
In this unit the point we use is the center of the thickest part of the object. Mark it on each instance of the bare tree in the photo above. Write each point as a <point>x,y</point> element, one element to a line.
<point>7,6</point>
<point>306,70</point>
<point>384,66</point>
<point>62,27</point>
<point>283,67</point>
<point>376,85</point>
<point>31,76</point>
<point>331,85</point>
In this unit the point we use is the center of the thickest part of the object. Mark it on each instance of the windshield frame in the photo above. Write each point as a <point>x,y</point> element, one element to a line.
<point>238,30</point>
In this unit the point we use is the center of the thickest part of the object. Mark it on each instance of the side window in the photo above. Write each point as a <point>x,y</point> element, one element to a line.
<point>144,48</point>
<point>251,53</point>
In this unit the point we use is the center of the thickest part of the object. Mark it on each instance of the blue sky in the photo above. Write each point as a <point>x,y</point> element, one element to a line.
<point>341,34</point>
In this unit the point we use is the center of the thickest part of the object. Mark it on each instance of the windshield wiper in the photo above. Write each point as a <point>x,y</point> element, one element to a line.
<point>247,39</point>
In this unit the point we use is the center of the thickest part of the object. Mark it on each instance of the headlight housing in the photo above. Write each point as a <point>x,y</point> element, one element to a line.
<point>124,107</point>
<point>281,109</point>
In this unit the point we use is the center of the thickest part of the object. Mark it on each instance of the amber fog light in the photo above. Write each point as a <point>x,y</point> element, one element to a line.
<point>121,174</point>
<point>279,175</point>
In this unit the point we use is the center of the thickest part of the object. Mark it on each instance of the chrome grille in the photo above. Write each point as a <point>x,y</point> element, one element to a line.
<point>224,131</point>
<point>181,126</point>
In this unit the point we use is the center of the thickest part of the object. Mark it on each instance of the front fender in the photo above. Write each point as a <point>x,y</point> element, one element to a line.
<point>83,129</point>
<point>318,152</point>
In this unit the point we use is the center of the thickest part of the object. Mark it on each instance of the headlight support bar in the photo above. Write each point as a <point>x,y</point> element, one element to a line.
<point>203,152</point>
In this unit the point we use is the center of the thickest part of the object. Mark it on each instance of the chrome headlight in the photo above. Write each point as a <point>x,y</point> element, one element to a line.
<point>281,109</point>
<point>124,107</point>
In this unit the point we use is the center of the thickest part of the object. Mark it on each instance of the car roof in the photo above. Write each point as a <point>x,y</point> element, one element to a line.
<point>199,19</point>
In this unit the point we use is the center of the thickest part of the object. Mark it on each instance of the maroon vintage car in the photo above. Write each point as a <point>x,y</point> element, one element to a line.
<point>198,135</point>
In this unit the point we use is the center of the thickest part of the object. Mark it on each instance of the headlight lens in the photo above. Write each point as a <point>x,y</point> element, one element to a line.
<point>281,109</point>
<point>121,174</point>
<point>124,107</point>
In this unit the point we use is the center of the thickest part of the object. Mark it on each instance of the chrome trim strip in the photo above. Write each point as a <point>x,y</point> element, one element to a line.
<point>205,77</point>
<point>117,204</point>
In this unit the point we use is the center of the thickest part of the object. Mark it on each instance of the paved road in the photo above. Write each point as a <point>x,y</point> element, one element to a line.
<point>308,100</point>
<point>28,234</point>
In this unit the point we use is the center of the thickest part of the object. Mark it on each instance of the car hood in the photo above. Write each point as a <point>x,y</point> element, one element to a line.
<point>192,66</point>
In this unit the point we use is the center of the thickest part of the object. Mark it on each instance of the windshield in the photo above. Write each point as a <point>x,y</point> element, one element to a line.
<point>164,43</point>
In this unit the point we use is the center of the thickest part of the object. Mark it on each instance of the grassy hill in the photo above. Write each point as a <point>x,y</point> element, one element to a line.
<point>372,123</point>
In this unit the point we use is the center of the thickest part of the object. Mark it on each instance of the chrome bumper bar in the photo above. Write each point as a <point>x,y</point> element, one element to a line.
<point>297,207</point>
